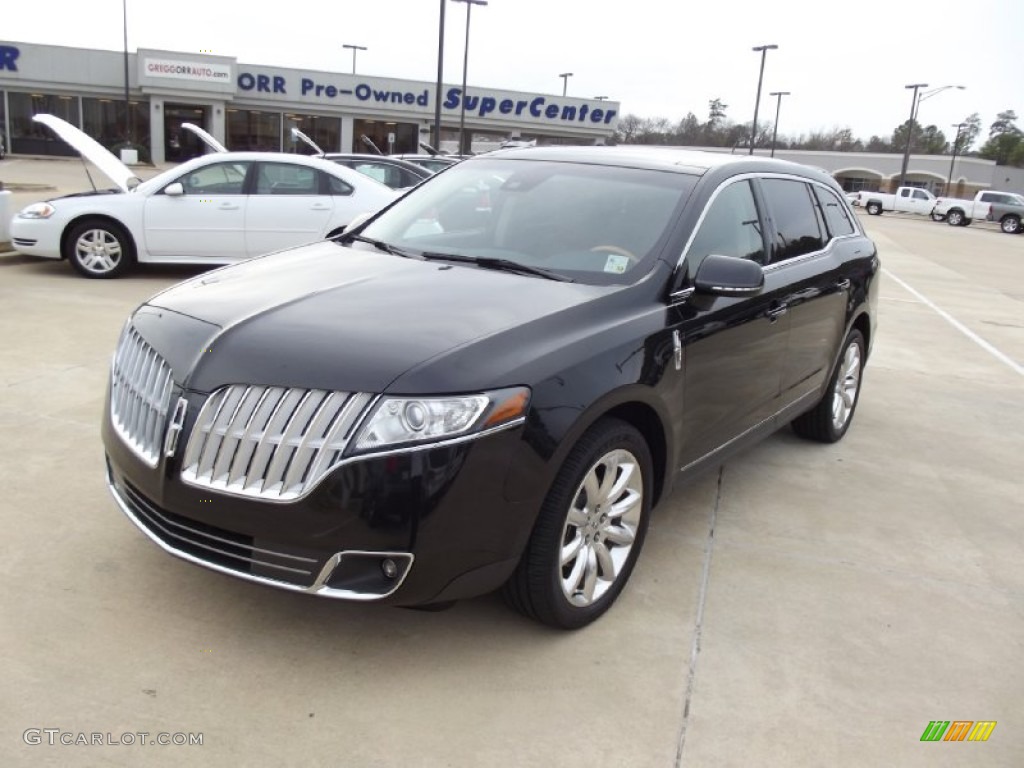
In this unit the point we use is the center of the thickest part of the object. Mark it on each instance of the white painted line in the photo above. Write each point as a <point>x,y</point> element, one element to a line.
<point>960,326</point>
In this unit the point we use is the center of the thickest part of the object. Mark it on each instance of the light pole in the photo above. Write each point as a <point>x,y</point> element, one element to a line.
<point>354,48</point>
<point>757,104</point>
<point>465,67</point>
<point>914,103</point>
<point>956,146</point>
<point>565,81</point>
<point>778,107</point>
<point>436,138</point>
<point>127,101</point>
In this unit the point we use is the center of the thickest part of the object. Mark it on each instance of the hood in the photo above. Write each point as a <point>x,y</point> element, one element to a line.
<point>342,318</point>
<point>91,150</point>
<point>300,136</point>
<point>204,137</point>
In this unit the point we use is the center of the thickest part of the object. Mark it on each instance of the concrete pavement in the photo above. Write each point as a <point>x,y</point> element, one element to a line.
<point>804,606</point>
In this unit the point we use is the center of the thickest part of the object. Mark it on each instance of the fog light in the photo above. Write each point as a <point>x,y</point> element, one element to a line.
<point>390,568</point>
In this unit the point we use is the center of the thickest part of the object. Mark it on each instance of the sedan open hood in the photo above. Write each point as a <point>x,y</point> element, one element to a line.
<point>92,150</point>
<point>204,137</point>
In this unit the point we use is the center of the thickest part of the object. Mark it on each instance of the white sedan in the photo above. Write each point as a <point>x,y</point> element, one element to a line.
<point>216,209</point>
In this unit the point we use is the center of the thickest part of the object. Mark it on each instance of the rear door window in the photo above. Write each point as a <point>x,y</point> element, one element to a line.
<point>797,230</point>
<point>836,217</point>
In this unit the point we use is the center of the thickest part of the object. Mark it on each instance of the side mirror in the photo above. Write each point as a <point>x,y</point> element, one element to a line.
<point>174,190</point>
<point>728,276</point>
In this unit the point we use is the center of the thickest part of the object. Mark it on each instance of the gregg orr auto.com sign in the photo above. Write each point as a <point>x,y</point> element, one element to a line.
<point>201,71</point>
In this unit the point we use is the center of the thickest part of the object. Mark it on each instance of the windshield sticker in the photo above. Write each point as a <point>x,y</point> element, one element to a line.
<point>616,264</point>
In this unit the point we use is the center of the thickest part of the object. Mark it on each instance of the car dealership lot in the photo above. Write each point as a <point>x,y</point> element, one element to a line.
<point>805,605</point>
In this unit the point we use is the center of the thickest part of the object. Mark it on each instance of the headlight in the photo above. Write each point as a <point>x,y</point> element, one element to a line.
<point>37,211</point>
<point>400,421</point>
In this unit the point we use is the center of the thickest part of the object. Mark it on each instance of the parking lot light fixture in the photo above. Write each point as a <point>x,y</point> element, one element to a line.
<point>436,137</point>
<point>910,130</point>
<point>355,49</point>
<point>778,107</point>
<point>757,103</point>
<point>465,67</point>
<point>565,81</point>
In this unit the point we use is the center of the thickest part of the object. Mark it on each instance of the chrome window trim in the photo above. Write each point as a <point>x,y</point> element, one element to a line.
<point>769,175</point>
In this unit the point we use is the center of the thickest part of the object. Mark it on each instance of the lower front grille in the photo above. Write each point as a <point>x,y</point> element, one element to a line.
<point>227,549</point>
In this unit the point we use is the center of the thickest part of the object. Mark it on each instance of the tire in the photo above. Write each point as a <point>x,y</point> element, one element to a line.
<point>829,420</point>
<point>1010,224</point>
<point>874,209</point>
<point>572,591</point>
<point>938,217</point>
<point>99,249</point>
<point>956,218</point>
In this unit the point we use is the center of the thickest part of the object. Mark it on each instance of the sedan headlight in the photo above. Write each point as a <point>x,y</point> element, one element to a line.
<point>37,211</point>
<point>401,421</point>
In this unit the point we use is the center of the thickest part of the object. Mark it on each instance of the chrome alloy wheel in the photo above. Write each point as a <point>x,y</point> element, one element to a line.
<point>98,251</point>
<point>844,395</point>
<point>601,527</point>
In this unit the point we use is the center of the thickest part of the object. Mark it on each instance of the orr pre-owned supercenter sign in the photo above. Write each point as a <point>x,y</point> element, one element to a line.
<point>404,95</point>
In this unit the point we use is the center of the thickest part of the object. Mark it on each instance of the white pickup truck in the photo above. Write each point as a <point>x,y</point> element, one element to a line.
<point>906,200</point>
<point>1005,207</point>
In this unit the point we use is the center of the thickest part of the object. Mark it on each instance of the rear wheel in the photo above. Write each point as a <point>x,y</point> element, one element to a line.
<point>955,218</point>
<point>589,531</point>
<point>828,421</point>
<point>1010,224</point>
<point>99,249</point>
<point>938,217</point>
<point>875,209</point>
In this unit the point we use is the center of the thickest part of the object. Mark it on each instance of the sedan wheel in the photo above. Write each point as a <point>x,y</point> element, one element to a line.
<point>589,531</point>
<point>828,421</point>
<point>99,250</point>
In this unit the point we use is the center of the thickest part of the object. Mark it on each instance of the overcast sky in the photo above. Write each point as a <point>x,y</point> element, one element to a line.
<point>846,64</point>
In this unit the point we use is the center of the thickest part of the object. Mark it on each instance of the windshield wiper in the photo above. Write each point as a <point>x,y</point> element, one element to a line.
<point>380,245</point>
<point>504,265</point>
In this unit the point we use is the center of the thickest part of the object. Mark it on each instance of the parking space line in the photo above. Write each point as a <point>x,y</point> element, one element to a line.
<point>996,353</point>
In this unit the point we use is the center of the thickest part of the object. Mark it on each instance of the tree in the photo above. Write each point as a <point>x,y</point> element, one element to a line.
<point>716,117</point>
<point>1005,144</point>
<point>878,144</point>
<point>933,141</point>
<point>969,133</point>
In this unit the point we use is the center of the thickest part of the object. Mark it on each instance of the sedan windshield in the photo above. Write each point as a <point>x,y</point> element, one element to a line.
<point>589,223</point>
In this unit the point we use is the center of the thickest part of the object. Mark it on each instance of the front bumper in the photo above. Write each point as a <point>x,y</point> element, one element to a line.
<point>406,528</point>
<point>36,237</point>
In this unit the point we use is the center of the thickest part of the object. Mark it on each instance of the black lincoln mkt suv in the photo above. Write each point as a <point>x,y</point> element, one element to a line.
<point>491,382</point>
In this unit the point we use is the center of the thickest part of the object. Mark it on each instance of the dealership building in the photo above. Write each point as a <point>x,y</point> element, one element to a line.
<point>254,106</point>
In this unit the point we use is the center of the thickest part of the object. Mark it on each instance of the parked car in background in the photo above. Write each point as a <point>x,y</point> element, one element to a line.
<point>216,209</point>
<point>1006,208</point>
<point>905,200</point>
<point>414,415</point>
<point>388,170</point>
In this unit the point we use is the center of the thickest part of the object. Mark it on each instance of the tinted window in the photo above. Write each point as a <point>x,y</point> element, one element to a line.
<point>286,179</point>
<point>919,195</point>
<point>838,219</point>
<point>730,227</point>
<point>216,179</point>
<point>796,222</point>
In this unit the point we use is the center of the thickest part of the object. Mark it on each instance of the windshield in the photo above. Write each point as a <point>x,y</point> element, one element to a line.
<point>590,223</point>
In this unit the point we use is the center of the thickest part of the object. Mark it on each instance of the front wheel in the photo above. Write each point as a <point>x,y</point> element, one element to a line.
<point>955,218</point>
<point>828,421</point>
<point>1010,224</point>
<point>99,249</point>
<point>875,209</point>
<point>589,531</point>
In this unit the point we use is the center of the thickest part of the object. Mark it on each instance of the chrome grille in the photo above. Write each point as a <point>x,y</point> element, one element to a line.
<point>273,443</point>
<point>140,395</point>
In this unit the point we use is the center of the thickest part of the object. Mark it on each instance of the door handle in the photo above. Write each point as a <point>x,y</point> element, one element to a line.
<point>320,208</point>
<point>228,207</point>
<point>775,312</point>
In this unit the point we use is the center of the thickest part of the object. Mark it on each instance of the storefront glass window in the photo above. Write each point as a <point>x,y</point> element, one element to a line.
<point>253,130</point>
<point>103,120</point>
<point>406,137</point>
<point>31,138</point>
<point>324,131</point>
